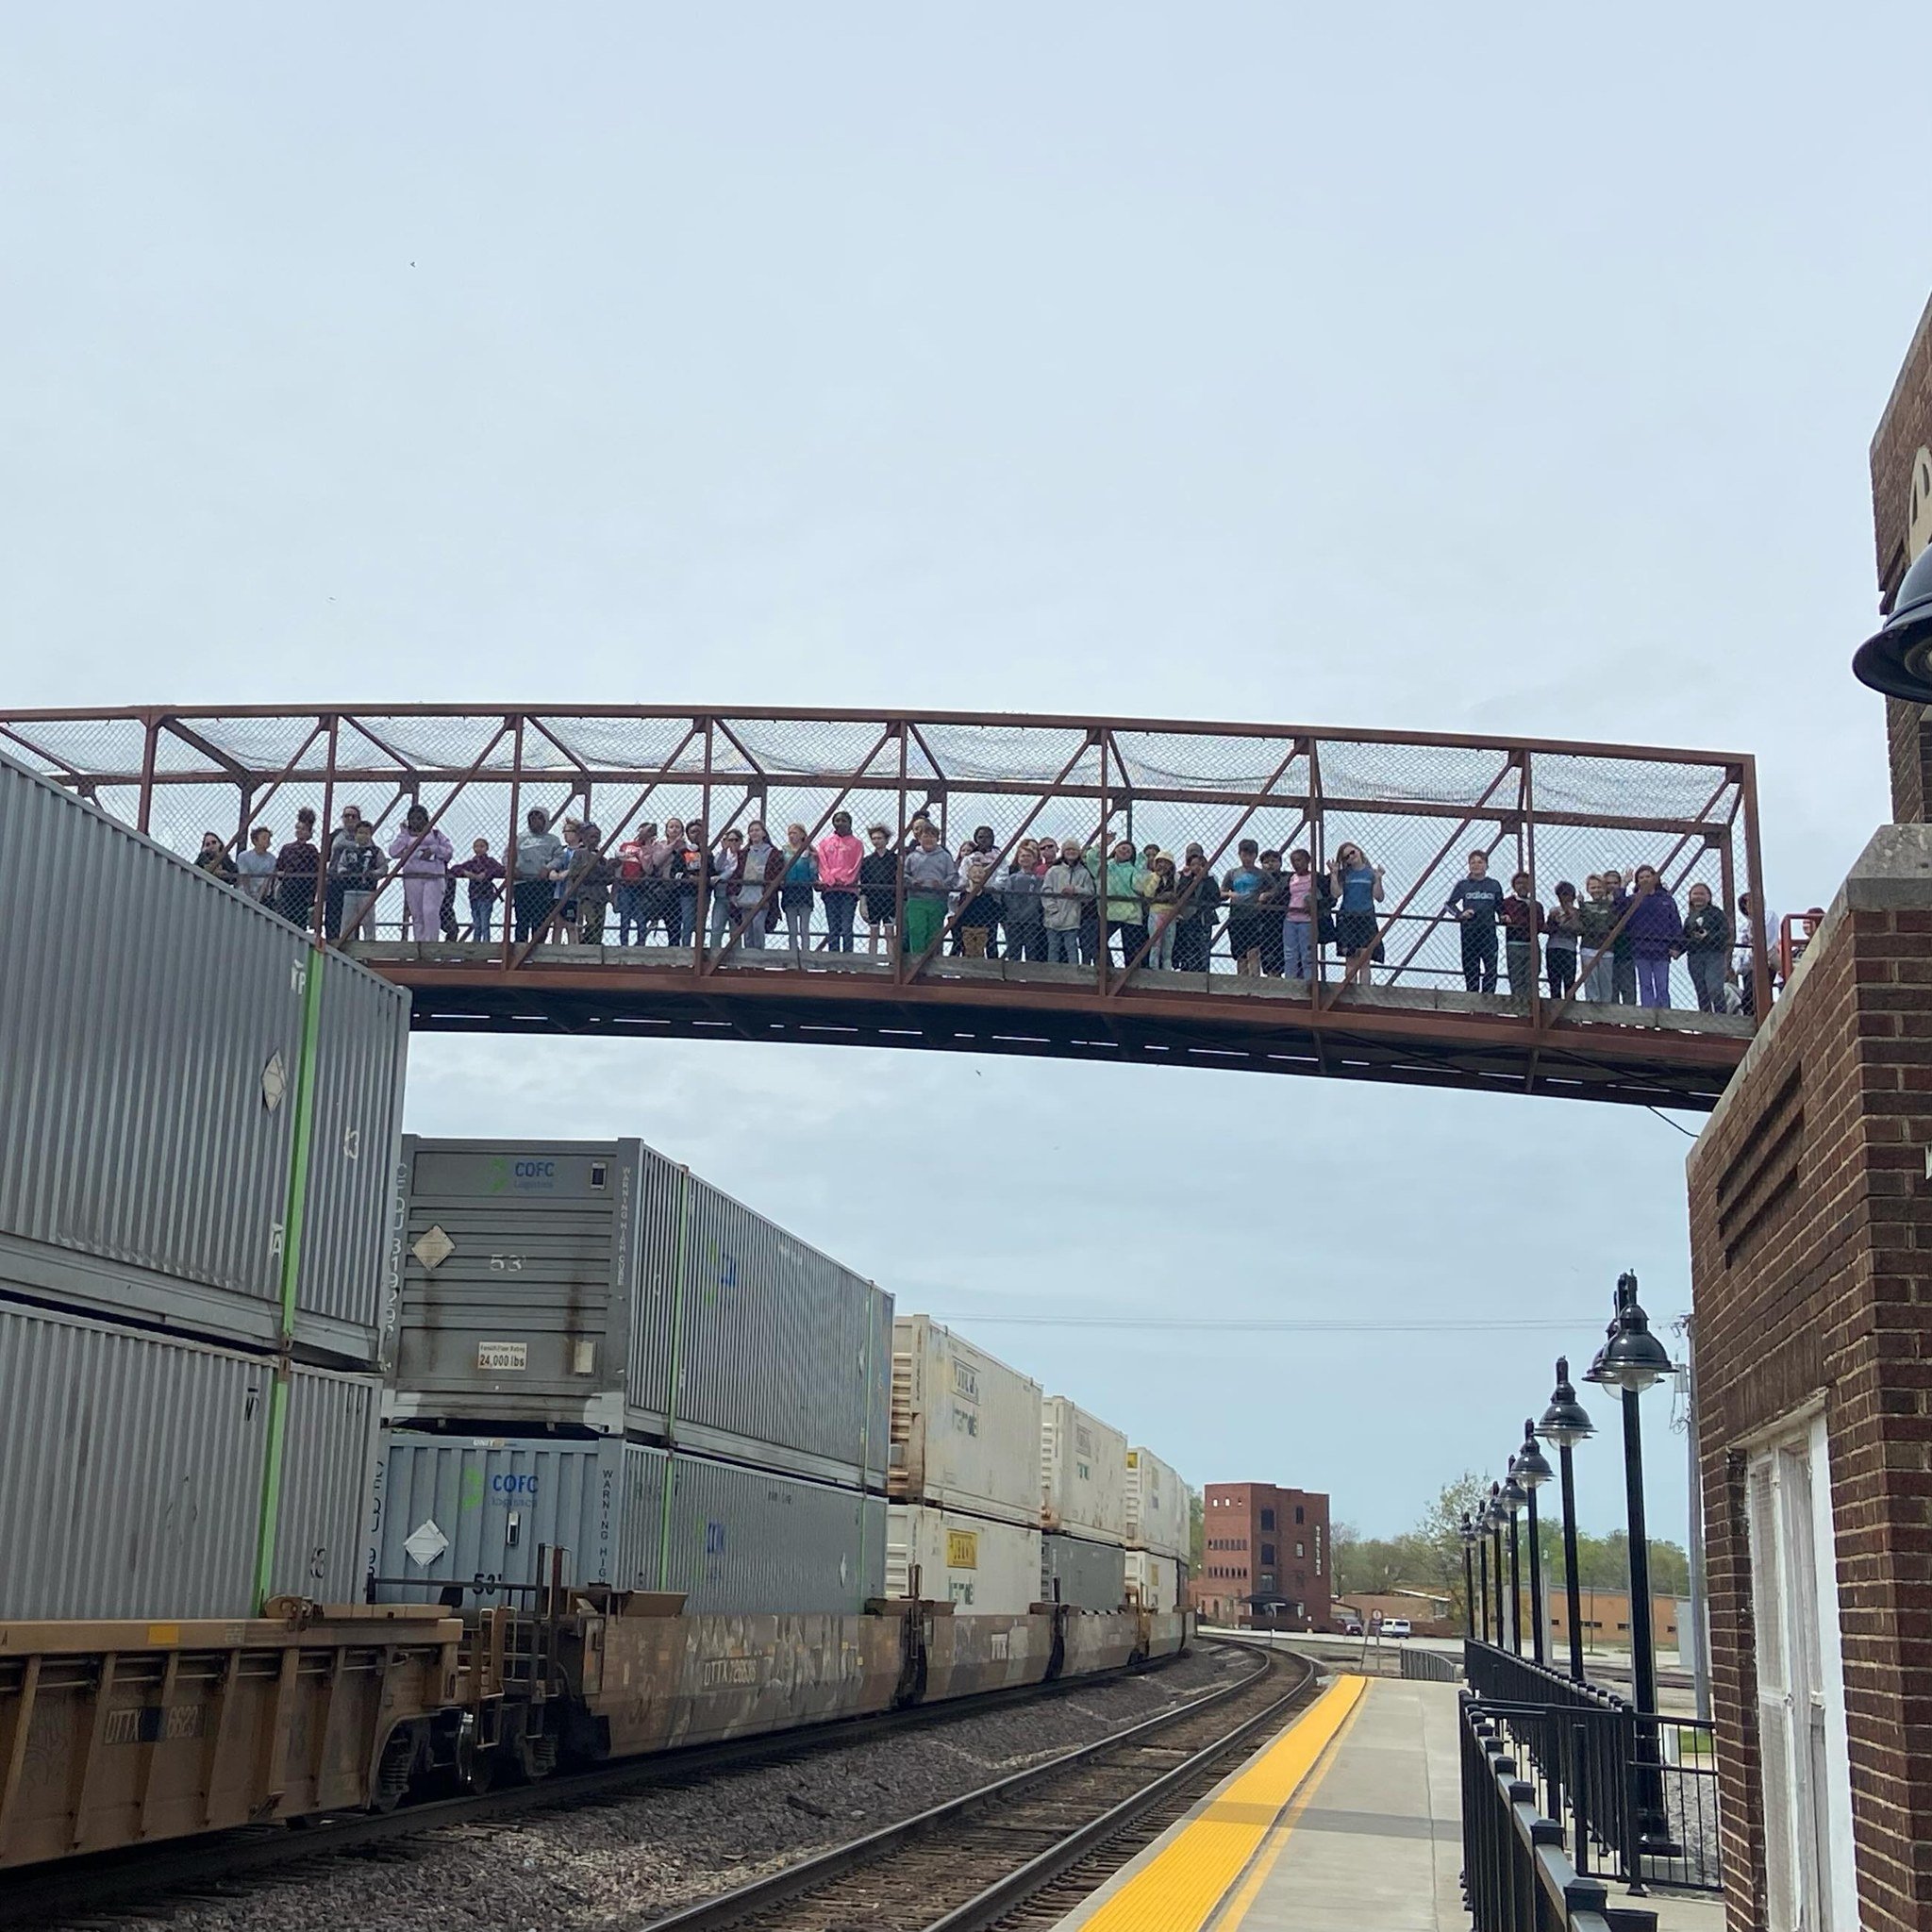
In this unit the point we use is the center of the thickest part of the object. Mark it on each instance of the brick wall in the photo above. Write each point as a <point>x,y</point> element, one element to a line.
<point>1903,430</point>
<point>1811,1263</point>
<point>1232,1513</point>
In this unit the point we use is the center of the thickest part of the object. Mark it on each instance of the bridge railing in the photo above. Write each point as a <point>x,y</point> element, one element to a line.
<point>1414,806</point>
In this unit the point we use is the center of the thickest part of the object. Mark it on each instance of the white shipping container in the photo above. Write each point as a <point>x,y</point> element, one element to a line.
<point>990,1569</point>
<point>1156,1504</point>
<point>965,1426</point>
<point>1083,1472</point>
<point>1154,1582</point>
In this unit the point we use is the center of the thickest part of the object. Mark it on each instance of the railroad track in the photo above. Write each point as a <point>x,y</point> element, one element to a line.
<point>97,1888</point>
<point>1024,1850</point>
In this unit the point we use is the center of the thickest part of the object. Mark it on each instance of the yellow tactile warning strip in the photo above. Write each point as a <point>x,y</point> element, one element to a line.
<point>1177,1889</point>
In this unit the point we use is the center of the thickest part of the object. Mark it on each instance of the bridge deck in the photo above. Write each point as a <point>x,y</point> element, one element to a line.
<point>1414,1033</point>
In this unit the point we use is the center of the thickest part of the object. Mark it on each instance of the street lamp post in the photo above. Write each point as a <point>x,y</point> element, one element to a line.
<point>1494,1519</point>
<point>1468,1535</point>
<point>1482,1552</point>
<point>1566,1422</point>
<point>1513,1497</point>
<point>1631,1360</point>
<point>1533,1471</point>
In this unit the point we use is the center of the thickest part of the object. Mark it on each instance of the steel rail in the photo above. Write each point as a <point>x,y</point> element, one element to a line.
<point>796,1882</point>
<point>117,1880</point>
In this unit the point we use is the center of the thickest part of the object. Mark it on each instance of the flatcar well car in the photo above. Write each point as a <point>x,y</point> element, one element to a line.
<point>114,1734</point>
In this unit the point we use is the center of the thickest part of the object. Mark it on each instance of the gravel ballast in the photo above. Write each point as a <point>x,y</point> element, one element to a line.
<point>623,1861</point>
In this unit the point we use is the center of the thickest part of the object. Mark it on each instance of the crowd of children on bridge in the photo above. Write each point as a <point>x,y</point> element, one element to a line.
<point>1046,901</point>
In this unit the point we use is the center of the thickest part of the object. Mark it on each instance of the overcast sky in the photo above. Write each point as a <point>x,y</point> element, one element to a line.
<point>1505,370</point>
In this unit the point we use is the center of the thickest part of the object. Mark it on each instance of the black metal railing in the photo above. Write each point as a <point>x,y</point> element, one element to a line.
<point>1516,1876</point>
<point>1639,1787</point>
<point>1430,1666</point>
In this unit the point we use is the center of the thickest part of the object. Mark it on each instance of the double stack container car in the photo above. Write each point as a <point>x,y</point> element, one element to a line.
<point>199,1113</point>
<point>1083,1509</point>
<point>1158,1532</point>
<point>965,1475</point>
<point>726,1384</point>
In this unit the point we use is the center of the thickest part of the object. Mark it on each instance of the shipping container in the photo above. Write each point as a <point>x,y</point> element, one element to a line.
<point>1088,1576</point>
<point>746,1541</point>
<point>182,1074</point>
<point>601,1286</point>
<point>136,1466</point>
<point>942,1556</point>
<point>1158,1517</point>
<point>1156,1582</point>
<point>1083,1472</point>
<point>475,1510</point>
<point>965,1426</point>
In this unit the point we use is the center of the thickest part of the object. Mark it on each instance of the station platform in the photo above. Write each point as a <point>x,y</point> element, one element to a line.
<point>1350,1817</point>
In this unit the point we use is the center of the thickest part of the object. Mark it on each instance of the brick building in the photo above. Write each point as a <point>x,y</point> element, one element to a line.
<point>1264,1557</point>
<point>1811,1260</point>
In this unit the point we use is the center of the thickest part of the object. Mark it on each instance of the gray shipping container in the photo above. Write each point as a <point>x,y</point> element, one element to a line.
<point>161,1037</point>
<point>599,1283</point>
<point>135,1470</point>
<point>1091,1577</point>
<point>462,1508</point>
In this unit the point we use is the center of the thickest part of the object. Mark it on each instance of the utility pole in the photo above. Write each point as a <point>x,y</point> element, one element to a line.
<point>1700,1633</point>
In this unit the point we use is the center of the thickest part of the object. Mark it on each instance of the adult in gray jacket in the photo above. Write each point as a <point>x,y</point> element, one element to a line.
<point>539,850</point>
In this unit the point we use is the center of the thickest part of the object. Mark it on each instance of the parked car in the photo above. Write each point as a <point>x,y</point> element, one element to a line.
<point>1349,1624</point>
<point>1394,1627</point>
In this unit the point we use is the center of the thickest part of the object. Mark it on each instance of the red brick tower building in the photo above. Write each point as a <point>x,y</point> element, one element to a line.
<point>1265,1557</point>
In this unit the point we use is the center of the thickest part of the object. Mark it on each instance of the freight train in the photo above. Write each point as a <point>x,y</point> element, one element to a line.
<point>616,1465</point>
<point>120,1734</point>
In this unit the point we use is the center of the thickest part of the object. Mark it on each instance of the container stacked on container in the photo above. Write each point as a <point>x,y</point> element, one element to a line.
<point>1083,1490</point>
<point>199,1111</point>
<point>1157,1532</point>
<point>964,1523</point>
<point>599,1352</point>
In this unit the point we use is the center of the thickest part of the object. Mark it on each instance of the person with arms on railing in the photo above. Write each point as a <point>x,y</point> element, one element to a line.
<point>483,875</point>
<point>839,857</point>
<point>532,893</point>
<point>1707,947</point>
<point>298,865</point>
<point>1159,890</point>
<point>1297,901</point>
<point>360,871</point>
<point>1476,903</point>
<point>1655,929</point>
<point>1564,930</point>
<point>425,852</point>
<point>635,858</point>
<point>878,883</point>
<point>1243,887</point>
<point>1200,905</point>
<point>798,890</point>
<point>761,864</point>
<point>1359,889</point>
<point>1596,917</point>
<point>1067,889</point>
<point>255,867</point>
<point>1021,906</point>
<point>1522,921</point>
<point>979,904</point>
<point>1624,947</point>
<point>931,874</point>
<point>341,843</point>
<point>213,859</point>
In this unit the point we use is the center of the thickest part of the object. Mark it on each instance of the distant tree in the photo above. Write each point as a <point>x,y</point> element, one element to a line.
<point>1197,1530</point>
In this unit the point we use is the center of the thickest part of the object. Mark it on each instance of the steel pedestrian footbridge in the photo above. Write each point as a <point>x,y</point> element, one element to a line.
<point>1415,802</point>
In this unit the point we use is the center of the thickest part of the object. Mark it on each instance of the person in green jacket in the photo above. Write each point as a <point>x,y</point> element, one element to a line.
<point>1122,911</point>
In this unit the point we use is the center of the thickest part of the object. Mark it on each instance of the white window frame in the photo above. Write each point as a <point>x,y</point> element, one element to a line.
<point>1801,1697</point>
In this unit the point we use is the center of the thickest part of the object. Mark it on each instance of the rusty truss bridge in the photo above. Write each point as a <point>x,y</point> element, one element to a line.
<point>1415,804</point>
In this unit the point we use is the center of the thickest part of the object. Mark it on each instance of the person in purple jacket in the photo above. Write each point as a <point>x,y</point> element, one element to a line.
<point>425,852</point>
<point>1655,929</point>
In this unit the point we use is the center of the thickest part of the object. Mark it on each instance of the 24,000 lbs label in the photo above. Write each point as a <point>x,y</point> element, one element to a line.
<point>503,1354</point>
